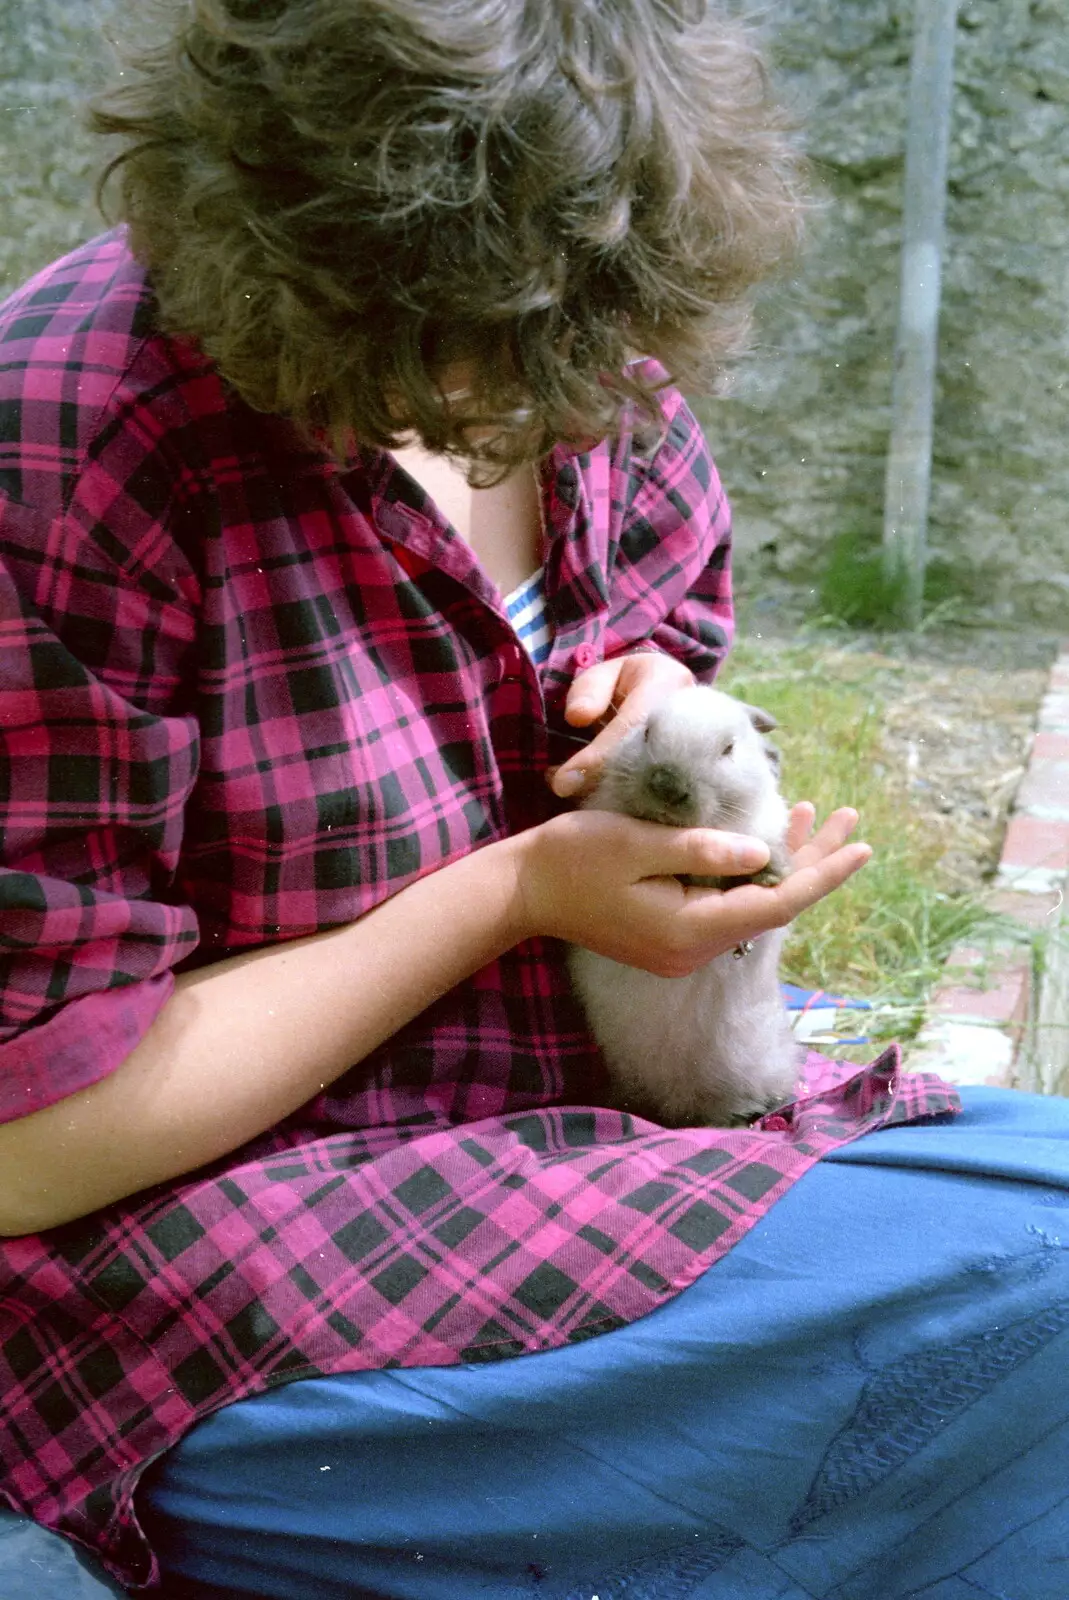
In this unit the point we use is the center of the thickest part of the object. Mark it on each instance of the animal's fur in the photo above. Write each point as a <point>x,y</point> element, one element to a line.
<point>714,1047</point>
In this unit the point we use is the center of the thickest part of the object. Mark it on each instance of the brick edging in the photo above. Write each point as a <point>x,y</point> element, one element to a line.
<point>991,1020</point>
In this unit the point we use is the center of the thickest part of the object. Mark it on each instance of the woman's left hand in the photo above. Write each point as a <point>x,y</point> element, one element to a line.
<point>630,686</point>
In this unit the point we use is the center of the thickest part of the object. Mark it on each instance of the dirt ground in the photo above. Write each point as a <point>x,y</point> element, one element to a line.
<point>962,704</point>
<point>963,731</point>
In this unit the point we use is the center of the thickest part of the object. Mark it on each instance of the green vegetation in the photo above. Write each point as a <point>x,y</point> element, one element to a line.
<point>885,936</point>
<point>857,590</point>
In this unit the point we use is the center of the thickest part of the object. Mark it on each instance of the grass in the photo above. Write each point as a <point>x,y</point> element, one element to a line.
<point>886,934</point>
<point>856,590</point>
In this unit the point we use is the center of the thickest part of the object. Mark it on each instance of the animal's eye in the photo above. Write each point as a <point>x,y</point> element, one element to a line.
<point>646,734</point>
<point>729,748</point>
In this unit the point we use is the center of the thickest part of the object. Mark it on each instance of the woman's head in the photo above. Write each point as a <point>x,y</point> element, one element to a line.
<point>341,199</point>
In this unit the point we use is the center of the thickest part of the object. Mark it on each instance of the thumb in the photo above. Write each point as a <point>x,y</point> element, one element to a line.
<point>696,852</point>
<point>590,695</point>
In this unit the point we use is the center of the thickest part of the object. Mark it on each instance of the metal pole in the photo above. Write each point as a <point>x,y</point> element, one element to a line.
<point>909,460</point>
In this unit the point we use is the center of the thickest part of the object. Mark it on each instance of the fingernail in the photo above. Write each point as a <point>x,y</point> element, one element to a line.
<point>584,709</point>
<point>748,855</point>
<point>568,783</point>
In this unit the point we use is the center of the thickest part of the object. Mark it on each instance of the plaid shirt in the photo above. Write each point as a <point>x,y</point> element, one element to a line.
<point>246,695</point>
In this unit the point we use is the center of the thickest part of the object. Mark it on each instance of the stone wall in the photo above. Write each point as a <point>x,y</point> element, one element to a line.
<point>801,442</point>
<point>53,55</point>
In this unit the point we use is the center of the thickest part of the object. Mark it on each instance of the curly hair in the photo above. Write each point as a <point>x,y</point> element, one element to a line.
<point>338,199</point>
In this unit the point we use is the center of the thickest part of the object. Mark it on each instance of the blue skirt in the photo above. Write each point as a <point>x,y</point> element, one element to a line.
<point>867,1399</point>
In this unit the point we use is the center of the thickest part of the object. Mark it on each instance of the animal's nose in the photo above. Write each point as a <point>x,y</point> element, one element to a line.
<point>668,785</point>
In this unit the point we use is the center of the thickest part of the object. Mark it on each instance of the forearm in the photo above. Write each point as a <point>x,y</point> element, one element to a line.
<point>242,1044</point>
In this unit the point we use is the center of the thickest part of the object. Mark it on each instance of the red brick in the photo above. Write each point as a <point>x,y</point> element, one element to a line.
<point>964,958</point>
<point>1050,747</point>
<point>1046,783</point>
<point>992,984</point>
<point>1034,842</point>
<point>1006,1002</point>
<point>991,989</point>
<point>1031,910</point>
<point>1054,711</point>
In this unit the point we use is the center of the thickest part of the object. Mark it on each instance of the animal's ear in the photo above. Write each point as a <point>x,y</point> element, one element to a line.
<point>763,721</point>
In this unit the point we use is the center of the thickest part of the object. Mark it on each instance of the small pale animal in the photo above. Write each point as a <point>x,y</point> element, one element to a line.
<point>713,1048</point>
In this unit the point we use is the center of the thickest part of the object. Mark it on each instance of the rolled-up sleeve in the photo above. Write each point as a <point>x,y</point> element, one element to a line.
<point>98,757</point>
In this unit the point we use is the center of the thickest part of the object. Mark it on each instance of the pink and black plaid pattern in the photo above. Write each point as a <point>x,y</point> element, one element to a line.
<point>246,695</point>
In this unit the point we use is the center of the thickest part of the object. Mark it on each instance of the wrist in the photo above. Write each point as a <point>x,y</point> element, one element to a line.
<point>493,882</point>
<point>531,902</point>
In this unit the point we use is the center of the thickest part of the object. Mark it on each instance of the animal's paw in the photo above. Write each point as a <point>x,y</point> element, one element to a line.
<point>777,868</point>
<point>774,871</point>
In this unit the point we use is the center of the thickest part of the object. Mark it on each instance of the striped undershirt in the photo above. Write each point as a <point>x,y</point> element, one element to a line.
<point>526,607</point>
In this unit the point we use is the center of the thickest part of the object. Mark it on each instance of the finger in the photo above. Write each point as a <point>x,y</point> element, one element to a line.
<point>631,686</point>
<point>832,835</point>
<point>642,682</point>
<point>803,815</point>
<point>590,695</point>
<point>804,888</point>
<point>751,909</point>
<point>649,850</point>
<point>700,852</point>
<point>610,685</point>
<point>580,771</point>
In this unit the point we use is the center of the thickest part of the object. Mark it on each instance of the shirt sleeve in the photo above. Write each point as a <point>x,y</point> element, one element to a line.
<point>671,580</point>
<point>97,761</point>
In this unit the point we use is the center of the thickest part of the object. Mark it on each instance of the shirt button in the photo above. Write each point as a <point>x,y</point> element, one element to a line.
<point>585,656</point>
<point>775,1124</point>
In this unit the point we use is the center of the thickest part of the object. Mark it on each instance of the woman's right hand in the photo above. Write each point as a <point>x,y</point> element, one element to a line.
<point>610,883</point>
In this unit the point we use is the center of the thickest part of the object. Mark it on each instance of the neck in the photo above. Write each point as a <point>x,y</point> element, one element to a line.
<point>502,525</point>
